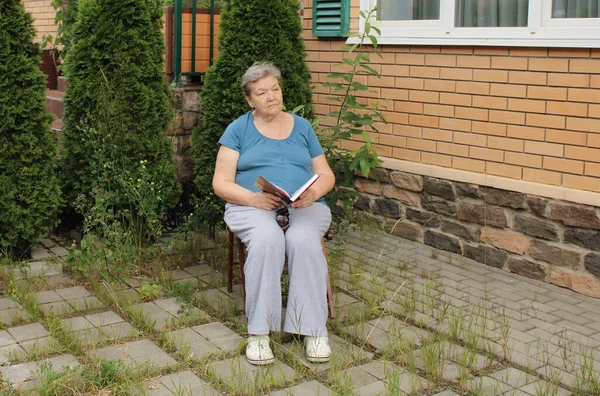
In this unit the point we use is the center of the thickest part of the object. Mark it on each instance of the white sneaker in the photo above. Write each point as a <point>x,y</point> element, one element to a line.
<point>317,349</point>
<point>258,351</point>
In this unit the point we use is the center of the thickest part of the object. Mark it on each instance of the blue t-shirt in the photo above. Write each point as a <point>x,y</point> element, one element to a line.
<point>286,162</point>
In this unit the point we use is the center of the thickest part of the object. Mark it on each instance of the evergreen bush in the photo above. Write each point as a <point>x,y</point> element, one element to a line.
<point>29,190</point>
<point>118,160</point>
<point>251,30</point>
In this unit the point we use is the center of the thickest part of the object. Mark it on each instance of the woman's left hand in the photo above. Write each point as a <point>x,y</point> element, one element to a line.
<point>306,199</point>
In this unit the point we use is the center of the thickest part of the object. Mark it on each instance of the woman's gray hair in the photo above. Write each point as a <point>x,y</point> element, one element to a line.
<point>257,71</point>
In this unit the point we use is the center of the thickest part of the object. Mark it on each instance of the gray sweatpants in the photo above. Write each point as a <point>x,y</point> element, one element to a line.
<point>267,245</point>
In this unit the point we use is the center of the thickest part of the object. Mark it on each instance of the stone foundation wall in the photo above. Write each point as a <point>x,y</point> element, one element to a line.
<point>545,239</point>
<point>188,113</point>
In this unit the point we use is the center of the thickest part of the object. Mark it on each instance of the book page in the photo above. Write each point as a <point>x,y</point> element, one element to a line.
<point>304,187</point>
<point>264,185</point>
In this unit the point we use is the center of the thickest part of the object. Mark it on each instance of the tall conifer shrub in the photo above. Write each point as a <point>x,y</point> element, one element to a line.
<point>29,190</point>
<point>117,108</point>
<point>251,30</point>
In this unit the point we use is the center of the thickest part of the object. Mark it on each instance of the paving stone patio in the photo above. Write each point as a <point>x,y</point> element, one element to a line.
<point>400,305</point>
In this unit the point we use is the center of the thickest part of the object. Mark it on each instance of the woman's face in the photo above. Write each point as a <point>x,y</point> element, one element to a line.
<point>265,96</point>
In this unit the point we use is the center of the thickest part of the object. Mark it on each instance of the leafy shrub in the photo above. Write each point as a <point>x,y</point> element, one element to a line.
<point>29,190</point>
<point>251,30</point>
<point>353,118</point>
<point>118,164</point>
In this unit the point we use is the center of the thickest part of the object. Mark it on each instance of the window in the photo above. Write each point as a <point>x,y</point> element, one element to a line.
<point>541,23</point>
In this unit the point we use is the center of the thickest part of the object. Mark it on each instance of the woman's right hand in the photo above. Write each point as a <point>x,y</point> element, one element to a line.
<point>266,201</point>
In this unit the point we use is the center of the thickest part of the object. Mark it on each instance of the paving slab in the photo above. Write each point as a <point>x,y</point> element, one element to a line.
<point>38,268</point>
<point>199,270</point>
<point>21,373</point>
<point>387,333</point>
<point>96,328</point>
<point>135,354</point>
<point>11,311</point>
<point>220,335</point>
<point>184,383</point>
<point>219,301</point>
<point>240,375</point>
<point>39,252</point>
<point>309,388</point>
<point>200,341</point>
<point>169,312</point>
<point>343,353</point>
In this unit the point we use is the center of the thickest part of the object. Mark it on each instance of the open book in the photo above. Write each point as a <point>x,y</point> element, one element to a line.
<point>263,184</point>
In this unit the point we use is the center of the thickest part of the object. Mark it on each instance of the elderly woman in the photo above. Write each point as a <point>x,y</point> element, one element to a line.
<point>283,148</point>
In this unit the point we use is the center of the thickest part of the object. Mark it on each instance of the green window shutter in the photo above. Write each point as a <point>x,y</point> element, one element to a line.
<point>331,18</point>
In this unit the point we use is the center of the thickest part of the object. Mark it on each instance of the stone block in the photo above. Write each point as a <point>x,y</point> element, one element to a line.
<point>537,206</point>
<point>535,227</point>
<point>177,98</point>
<point>368,186</point>
<point>184,167</point>
<point>509,199</point>
<point>584,237</point>
<point>441,241</point>
<point>528,268</point>
<point>426,218</point>
<point>439,187</point>
<point>176,126</point>
<point>405,230</point>
<point>438,205</point>
<point>381,175</point>
<point>507,240</point>
<point>592,263</point>
<point>482,214</point>
<point>581,283</point>
<point>555,255</point>
<point>575,215</point>
<point>190,120</point>
<point>182,144</point>
<point>363,203</point>
<point>486,255</point>
<point>404,196</point>
<point>370,218</point>
<point>387,207</point>
<point>465,190</point>
<point>191,101</point>
<point>407,181</point>
<point>466,232</point>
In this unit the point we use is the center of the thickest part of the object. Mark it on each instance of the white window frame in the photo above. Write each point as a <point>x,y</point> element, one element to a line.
<point>541,31</point>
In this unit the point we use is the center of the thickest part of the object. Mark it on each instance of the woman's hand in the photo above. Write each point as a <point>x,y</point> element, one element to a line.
<point>307,198</point>
<point>266,201</point>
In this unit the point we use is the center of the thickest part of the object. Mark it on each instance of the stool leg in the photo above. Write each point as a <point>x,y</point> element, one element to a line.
<point>230,242</point>
<point>329,291</point>
<point>242,260</point>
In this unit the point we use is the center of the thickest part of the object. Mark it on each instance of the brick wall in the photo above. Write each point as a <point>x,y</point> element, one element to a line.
<point>43,17</point>
<point>529,114</point>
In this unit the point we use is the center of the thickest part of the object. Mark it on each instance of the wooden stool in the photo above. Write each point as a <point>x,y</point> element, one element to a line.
<point>234,243</point>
